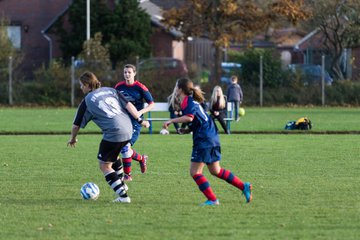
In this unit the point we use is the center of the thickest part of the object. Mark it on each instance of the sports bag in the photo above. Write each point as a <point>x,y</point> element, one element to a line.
<point>303,123</point>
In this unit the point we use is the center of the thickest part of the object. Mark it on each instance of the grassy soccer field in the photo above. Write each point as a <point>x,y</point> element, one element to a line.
<point>304,187</point>
<point>59,120</point>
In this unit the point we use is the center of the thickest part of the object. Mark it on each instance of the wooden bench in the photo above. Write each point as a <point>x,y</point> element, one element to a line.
<point>164,107</point>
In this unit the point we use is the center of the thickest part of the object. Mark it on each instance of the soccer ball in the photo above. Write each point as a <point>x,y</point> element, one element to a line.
<point>241,112</point>
<point>164,131</point>
<point>90,191</point>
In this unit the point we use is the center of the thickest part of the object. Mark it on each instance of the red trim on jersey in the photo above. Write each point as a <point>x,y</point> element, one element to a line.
<point>190,115</point>
<point>184,103</point>
<point>120,83</point>
<point>136,82</point>
<point>141,85</point>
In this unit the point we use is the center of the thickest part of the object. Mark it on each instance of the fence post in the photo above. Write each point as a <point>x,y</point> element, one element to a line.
<point>72,81</point>
<point>10,81</point>
<point>323,80</point>
<point>261,81</point>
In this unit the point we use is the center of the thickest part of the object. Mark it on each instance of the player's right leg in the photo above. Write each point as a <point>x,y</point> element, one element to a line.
<point>108,154</point>
<point>142,159</point>
<point>126,153</point>
<point>196,169</point>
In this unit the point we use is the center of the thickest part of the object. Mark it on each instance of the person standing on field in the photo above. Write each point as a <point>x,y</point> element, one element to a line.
<point>235,95</point>
<point>218,107</point>
<point>109,110</point>
<point>206,145</point>
<point>136,93</point>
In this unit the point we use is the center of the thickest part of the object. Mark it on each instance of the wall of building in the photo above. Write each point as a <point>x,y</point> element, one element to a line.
<point>33,16</point>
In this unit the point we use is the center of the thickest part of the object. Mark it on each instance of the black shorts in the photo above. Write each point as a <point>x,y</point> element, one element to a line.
<point>109,151</point>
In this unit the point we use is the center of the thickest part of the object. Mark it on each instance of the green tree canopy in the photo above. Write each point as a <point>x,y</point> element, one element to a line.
<point>126,29</point>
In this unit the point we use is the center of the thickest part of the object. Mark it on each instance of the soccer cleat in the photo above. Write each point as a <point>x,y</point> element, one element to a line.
<point>210,203</point>
<point>247,192</point>
<point>143,163</point>
<point>123,199</point>
<point>127,178</point>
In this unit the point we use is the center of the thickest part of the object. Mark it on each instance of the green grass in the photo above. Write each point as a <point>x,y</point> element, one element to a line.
<point>15,120</point>
<point>304,187</point>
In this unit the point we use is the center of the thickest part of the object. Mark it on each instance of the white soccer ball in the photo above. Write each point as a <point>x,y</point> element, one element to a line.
<point>164,131</point>
<point>90,191</point>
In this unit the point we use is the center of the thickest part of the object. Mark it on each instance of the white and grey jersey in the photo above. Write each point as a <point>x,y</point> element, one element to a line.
<point>106,107</point>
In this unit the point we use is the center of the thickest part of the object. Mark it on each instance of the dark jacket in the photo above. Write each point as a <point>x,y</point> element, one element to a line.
<point>234,93</point>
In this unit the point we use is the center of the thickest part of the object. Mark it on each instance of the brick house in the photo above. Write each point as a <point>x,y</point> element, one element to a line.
<point>30,21</point>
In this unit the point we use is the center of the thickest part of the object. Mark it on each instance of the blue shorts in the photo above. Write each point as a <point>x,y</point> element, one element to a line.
<point>206,155</point>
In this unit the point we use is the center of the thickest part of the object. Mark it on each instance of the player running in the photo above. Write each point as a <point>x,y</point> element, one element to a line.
<point>206,144</point>
<point>136,93</point>
<point>109,110</point>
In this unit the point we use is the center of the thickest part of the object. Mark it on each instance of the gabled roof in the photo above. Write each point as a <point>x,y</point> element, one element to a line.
<point>168,4</point>
<point>155,13</point>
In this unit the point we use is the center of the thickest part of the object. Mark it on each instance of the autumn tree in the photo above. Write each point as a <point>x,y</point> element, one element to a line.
<point>226,21</point>
<point>338,22</point>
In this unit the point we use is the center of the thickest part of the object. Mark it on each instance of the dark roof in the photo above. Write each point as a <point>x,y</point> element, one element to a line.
<point>167,4</point>
<point>155,13</point>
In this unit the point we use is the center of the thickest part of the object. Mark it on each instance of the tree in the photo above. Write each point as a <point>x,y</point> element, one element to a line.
<point>339,23</point>
<point>226,21</point>
<point>7,48</point>
<point>126,29</point>
<point>7,51</point>
<point>95,55</point>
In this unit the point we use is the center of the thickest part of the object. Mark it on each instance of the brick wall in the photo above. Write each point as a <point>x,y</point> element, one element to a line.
<point>33,16</point>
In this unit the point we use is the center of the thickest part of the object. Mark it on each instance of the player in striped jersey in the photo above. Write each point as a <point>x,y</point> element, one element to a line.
<point>136,93</point>
<point>206,144</point>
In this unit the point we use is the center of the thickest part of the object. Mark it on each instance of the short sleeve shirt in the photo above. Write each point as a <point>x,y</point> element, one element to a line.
<point>106,108</point>
<point>203,127</point>
<point>135,93</point>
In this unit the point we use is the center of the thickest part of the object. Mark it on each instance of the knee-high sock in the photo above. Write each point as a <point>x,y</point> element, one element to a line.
<point>118,168</point>
<point>204,186</point>
<point>127,165</point>
<point>115,183</point>
<point>136,156</point>
<point>230,178</point>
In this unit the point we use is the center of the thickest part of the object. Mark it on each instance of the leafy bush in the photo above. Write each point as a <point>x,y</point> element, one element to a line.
<point>273,75</point>
<point>52,86</point>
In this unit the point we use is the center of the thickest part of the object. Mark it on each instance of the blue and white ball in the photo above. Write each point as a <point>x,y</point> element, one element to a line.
<point>90,191</point>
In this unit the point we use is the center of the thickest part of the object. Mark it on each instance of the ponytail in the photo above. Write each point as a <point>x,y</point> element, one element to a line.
<point>89,79</point>
<point>198,95</point>
<point>187,86</point>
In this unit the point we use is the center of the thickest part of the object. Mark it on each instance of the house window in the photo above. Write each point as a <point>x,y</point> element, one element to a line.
<point>14,34</point>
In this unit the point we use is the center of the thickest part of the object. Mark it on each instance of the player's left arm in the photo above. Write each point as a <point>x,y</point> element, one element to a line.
<point>132,110</point>
<point>149,100</point>
<point>148,108</point>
